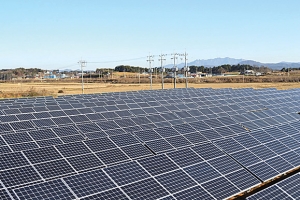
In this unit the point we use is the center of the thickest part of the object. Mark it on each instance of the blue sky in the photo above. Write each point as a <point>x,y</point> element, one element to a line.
<point>56,34</point>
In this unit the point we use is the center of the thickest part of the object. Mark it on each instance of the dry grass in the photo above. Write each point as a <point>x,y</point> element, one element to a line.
<point>9,90</point>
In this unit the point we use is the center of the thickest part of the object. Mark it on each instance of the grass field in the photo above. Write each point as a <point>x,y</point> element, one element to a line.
<point>8,90</point>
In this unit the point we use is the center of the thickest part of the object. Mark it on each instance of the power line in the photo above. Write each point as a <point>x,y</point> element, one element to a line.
<point>112,61</point>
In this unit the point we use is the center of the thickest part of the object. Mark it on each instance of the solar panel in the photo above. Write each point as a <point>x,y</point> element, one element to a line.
<point>175,181</point>
<point>136,151</point>
<point>126,173</point>
<point>145,189</point>
<point>19,176</point>
<point>54,168</point>
<point>100,144</point>
<point>183,143</point>
<point>55,189</point>
<point>85,162</point>
<point>115,193</point>
<point>88,183</point>
<point>12,160</point>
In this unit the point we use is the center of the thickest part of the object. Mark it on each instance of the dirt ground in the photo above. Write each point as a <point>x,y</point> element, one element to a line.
<point>76,88</point>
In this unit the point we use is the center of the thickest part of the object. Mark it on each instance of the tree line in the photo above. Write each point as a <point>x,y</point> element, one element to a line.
<point>202,69</point>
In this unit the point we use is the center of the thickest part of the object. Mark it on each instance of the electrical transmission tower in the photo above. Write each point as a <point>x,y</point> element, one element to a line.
<point>162,69</point>
<point>150,60</point>
<point>175,69</point>
<point>82,64</point>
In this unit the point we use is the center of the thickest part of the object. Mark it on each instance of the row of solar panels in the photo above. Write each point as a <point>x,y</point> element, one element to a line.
<point>210,148</point>
<point>204,169</point>
<point>287,189</point>
<point>211,128</point>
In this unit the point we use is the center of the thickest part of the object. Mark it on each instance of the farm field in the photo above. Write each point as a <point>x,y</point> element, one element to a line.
<point>8,90</point>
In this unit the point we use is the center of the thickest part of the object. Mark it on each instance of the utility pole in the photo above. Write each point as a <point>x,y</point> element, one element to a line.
<point>150,60</point>
<point>139,75</point>
<point>244,76</point>
<point>186,69</point>
<point>175,56</point>
<point>162,69</point>
<point>82,64</point>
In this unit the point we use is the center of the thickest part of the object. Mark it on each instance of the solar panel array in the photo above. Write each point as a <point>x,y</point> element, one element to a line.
<point>286,189</point>
<point>159,144</point>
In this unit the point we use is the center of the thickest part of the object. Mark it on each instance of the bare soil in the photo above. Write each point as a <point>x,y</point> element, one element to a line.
<point>8,90</point>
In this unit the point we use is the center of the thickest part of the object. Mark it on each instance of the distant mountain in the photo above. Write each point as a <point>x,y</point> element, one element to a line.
<point>216,62</point>
<point>233,61</point>
<point>210,62</point>
<point>276,66</point>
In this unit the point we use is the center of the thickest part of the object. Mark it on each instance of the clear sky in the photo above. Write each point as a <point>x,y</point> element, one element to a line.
<point>56,34</point>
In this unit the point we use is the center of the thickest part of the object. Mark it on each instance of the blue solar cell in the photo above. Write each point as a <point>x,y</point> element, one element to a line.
<point>175,181</point>
<point>272,192</point>
<point>62,120</point>
<point>87,128</point>
<point>246,140</point>
<point>84,162</point>
<point>114,194</point>
<point>42,154</point>
<point>220,188</point>
<point>43,123</point>
<point>279,164</point>
<point>208,151</point>
<point>17,138</point>
<point>145,189</point>
<point>65,131</point>
<point>4,149</point>
<point>277,147</point>
<point>73,149</point>
<point>55,189</point>
<point>126,173</point>
<point>112,156</point>
<point>5,128</point>
<point>210,134</point>
<point>100,144</point>
<point>108,125</point>
<point>54,168</point>
<point>147,135</point>
<point>158,164</point>
<point>202,172</point>
<point>19,176</point>
<point>124,139</point>
<point>88,183</point>
<point>193,193</point>
<point>178,141</point>
<point>4,195</point>
<point>224,164</point>
<point>245,157</point>
<point>42,134</point>
<point>263,171</point>
<point>159,145</point>
<point>242,179</point>
<point>229,145</point>
<point>292,157</point>
<point>262,152</point>
<point>12,160</point>
<point>166,131</point>
<point>136,150</point>
<point>291,186</point>
<point>72,138</point>
<point>49,142</point>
